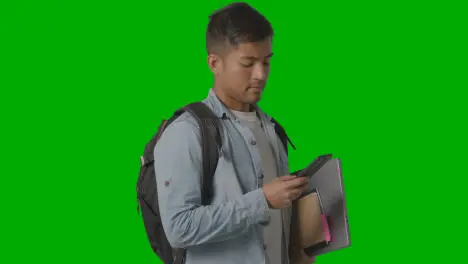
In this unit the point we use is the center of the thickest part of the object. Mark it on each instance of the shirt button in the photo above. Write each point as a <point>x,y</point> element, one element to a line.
<point>253,142</point>
<point>261,176</point>
<point>264,246</point>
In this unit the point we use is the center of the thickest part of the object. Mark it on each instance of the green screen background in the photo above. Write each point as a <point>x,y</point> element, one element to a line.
<point>84,85</point>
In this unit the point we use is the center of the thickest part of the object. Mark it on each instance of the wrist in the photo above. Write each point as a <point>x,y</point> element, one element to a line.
<point>267,202</point>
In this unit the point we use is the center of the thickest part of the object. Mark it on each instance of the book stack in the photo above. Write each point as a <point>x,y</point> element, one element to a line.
<point>320,215</point>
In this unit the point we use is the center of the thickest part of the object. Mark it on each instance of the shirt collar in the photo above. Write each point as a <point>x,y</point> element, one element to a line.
<point>221,110</point>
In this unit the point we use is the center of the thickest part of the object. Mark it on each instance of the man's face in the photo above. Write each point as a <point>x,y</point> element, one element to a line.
<point>245,69</point>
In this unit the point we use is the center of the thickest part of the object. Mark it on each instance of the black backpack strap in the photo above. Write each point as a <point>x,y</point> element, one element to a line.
<point>210,131</point>
<point>282,135</point>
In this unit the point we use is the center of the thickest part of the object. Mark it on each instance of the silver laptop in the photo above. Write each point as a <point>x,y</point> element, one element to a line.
<point>329,183</point>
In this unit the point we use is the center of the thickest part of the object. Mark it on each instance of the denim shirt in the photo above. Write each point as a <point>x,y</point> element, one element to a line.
<point>229,230</point>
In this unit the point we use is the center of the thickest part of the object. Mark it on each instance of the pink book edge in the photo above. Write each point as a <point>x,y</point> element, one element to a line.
<point>326,229</point>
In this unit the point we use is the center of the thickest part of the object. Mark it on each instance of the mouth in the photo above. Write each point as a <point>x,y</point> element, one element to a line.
<point>256,88</point>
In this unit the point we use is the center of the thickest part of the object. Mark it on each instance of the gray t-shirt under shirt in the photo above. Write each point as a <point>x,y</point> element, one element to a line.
<point>272,232</point>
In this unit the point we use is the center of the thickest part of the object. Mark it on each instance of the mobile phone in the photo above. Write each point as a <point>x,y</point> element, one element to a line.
<point>315,166</point>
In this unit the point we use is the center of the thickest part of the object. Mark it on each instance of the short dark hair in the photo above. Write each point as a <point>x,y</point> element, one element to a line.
<point>235,24</point>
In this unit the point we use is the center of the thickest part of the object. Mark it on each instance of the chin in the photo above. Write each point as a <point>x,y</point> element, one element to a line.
<point>254,98</point>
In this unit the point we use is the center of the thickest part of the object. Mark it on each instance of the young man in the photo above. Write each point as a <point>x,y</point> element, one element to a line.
<point>248,220</point>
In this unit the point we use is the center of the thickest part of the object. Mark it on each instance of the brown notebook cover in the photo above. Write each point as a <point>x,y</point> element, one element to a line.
<point>311,224</point>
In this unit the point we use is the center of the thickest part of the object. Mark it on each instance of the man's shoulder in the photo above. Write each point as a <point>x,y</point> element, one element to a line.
<point>181,134</point>
<point>185,123</point>
<point>188,118</point>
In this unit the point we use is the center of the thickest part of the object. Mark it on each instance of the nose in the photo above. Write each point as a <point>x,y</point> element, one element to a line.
<point>260,72</point>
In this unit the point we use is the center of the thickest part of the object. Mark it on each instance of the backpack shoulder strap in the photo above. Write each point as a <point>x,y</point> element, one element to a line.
<point>282,135</point>
<point>210,131</point>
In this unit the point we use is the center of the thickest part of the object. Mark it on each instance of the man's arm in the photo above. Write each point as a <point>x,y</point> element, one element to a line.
<point>178,166</point>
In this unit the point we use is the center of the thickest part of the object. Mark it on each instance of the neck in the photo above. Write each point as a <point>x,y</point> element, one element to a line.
<point>230,102</point>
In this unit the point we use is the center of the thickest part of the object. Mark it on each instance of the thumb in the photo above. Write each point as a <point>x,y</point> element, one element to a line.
<point>287,177</point>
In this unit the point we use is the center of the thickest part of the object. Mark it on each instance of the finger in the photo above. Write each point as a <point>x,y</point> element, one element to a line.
<point>295,194</point>
<point>296,183</point>
<point>303,187</point>
<point>305,183</point>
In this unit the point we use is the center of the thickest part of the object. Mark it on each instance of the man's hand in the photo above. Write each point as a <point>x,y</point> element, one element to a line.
<point>282,191</point>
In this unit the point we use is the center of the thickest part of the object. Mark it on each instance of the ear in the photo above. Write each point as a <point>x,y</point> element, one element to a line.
<point>214,62</point>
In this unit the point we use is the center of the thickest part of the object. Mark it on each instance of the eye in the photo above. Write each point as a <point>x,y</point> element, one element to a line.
<point>248,65</point>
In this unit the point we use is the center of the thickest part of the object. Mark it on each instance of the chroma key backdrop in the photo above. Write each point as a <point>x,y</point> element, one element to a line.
<point>84,85</point>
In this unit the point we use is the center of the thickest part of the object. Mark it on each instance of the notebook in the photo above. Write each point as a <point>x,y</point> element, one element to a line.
<point>328,191</point>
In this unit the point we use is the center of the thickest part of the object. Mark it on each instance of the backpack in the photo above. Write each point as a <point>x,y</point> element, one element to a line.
<point>147,198</point>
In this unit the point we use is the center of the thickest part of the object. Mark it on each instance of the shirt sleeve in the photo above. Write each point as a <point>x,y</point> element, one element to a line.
<point>178,166</point>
